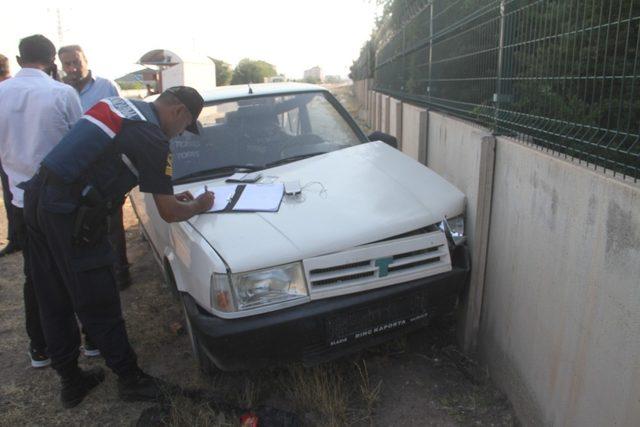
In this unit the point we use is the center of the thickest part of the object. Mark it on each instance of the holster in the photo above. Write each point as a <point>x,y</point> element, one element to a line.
<point>91,224</point>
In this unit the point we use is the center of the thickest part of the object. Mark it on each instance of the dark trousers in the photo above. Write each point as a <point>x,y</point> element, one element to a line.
<point>118,241</point>
<point>70,279</point>
<point>31,312</point>
<point>12,236</point>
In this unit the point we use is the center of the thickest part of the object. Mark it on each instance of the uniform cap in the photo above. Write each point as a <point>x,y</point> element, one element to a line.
<point>192,100</point>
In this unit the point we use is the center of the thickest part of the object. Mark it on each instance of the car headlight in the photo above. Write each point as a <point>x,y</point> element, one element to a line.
<point>258,288</point>
<point>454,229</point>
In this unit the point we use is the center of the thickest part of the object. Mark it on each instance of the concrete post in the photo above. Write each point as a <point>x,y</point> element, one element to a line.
<point>395,120</point>
<point>384,113</point>
<point>414,132</point>
<point>464,154</point>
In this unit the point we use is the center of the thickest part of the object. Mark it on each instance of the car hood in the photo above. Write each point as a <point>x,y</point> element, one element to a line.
<point>350,197</point>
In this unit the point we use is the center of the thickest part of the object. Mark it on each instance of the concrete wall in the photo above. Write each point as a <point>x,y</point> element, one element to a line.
<point>395,120</point>
<point>365,94</point>
<point>361,92</point>
<point>372,109</point>
<point>560,247</point>
<point>414,132</point>
<point>463,154</point>
<point>561,320</point>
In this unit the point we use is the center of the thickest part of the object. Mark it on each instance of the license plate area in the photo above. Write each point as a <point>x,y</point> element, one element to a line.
<point>349,327</point>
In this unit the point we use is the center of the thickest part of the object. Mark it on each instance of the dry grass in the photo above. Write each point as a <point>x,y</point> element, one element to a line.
<point>321,392</point>
<point>189,412</point>
<point>370,393</point>
<point>333,394</point>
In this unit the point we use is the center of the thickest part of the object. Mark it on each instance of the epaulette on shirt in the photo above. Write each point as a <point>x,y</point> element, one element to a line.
<point>109,113</point>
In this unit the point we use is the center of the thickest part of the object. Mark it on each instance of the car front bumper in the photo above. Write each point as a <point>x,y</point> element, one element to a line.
<point>329,328</point>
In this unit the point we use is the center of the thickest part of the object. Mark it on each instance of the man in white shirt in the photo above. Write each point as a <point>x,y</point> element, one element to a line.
<point>35,113</point>
<point>92,89</point>
<point>12,239</point>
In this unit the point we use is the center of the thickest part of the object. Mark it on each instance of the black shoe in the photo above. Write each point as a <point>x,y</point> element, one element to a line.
<point>140,387</point>
<point>78,385</point>
<point>9,249</point>
<point>39,358</point>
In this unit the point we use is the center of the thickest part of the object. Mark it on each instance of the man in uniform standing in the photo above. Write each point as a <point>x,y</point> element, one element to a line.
<point>115,146</point>
<point>92,89</point>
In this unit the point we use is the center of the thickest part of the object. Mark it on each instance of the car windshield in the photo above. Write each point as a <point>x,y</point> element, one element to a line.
<point>260,132</point>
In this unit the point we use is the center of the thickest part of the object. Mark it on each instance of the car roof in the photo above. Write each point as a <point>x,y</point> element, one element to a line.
<point>242,91</point>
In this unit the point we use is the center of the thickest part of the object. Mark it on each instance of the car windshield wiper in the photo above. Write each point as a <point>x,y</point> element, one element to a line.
<point>294,158</point>
<point>216,172</point>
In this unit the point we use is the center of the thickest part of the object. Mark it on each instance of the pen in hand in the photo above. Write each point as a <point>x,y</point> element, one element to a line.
<point>207,198</point>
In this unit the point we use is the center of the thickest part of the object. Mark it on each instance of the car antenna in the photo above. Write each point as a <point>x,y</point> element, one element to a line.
<point>250,90</point>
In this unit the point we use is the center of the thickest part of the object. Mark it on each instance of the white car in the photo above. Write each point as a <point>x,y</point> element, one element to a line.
<point>369,248</point>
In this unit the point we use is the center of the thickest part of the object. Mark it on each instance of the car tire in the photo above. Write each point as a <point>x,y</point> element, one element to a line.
<point>205,364</point>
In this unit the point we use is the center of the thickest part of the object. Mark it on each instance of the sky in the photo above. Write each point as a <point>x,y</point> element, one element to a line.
<point>294,35</point>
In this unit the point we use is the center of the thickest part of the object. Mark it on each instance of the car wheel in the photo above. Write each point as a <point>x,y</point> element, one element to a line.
<point>205,364</point>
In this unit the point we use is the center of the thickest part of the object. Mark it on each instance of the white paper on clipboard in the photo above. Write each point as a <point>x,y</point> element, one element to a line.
<point>260,198</point>
<point>254,197</point>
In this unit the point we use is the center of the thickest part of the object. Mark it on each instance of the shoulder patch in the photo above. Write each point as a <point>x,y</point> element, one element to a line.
<point>168,170</point>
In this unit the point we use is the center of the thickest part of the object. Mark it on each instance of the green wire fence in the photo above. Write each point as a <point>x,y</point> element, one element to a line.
<point>561,74</point>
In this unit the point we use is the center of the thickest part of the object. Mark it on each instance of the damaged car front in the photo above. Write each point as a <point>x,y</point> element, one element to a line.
<point>372,247</point>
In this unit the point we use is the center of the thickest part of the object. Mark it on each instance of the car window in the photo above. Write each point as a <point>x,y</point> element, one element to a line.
<point>326,121</point>
<point>290,122</point>
<point>261,130</point>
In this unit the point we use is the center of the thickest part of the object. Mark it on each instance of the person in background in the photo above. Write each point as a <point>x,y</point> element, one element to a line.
<point>92,89</point>
<point>35,113</point>
<point>12,238</point>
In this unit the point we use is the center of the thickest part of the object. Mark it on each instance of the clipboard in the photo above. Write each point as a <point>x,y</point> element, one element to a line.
<point>247,198</point>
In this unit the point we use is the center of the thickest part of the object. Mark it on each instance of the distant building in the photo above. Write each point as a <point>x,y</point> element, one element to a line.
<point>188,69</point>
<point>314,73</point>
<point>275,79</point>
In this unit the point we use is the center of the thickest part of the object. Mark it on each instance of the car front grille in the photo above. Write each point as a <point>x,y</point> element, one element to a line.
<point>378,264</point>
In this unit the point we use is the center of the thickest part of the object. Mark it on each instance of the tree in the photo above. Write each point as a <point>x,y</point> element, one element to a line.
<point>223,72</point>
<point>250,71</point>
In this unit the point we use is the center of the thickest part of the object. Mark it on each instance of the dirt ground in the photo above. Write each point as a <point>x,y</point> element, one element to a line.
<point>421,379</point>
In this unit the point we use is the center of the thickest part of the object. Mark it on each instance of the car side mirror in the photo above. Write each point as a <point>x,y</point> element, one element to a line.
<point>384,137</point>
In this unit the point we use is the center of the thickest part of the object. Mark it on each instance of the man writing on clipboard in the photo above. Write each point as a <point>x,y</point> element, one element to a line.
<point>115,146</point>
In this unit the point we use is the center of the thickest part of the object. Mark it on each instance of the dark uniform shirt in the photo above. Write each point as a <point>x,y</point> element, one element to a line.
<point>146,146</point>
<point>113,150</point>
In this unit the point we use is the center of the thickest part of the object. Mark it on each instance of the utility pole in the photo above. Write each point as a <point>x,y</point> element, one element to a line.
<point>60,31</point>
